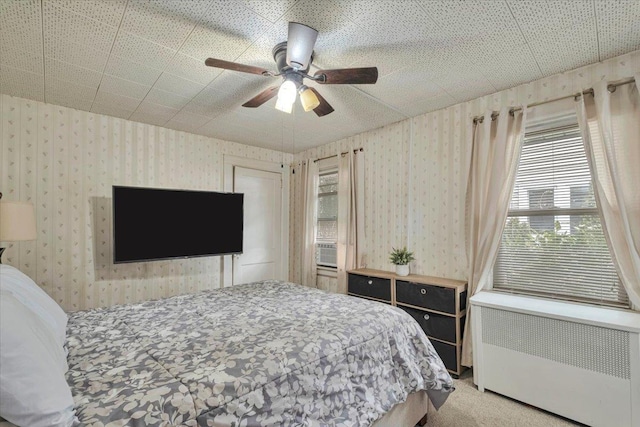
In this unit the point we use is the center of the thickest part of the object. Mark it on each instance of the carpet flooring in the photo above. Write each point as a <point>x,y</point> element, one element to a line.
<point>467,407</point>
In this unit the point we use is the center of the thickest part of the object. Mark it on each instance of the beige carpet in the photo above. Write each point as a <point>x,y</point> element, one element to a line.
<point>467,407</point>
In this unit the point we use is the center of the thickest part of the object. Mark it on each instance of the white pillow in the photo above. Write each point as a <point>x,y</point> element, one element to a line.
<point>33,389</point>
<point>28,293</point>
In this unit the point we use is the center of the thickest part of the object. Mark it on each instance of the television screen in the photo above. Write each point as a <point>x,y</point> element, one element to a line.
<point>152,224</point>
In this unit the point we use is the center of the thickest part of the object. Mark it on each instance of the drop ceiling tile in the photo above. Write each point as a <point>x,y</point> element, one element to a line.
<point>510,68</point>
<point>61,89</point>
<point>130,70</point>
<point>181,126</point>
<point>407,85</point>
<point>72,73</point>
<point>178,85</point>
<point>466,86</point>
<point>156,120</point>
<point>73,53</point>
<point>168,99</point>
<point>190,118</point>
<point>480,28</point>
<point>123,87</point>
<point>213,42</point>
<point>70,101</point>
<point>109,12</point>
<point>562,35</point>
<point>269,9</point>
<point>21,25</point>
<point>108,99</point>
<point>167,23</point>
<point>325,16</point>
<point>210,109</point>
<point>618,28</point>
<point>22,59</point>
<point>61,24</point>
<point>21,83</point>
<point>427,104</point>
<point>142,51</point>
<point>111,110</point>
<point>147,108</point>
<point>231,17</point>
<point>192,69</point>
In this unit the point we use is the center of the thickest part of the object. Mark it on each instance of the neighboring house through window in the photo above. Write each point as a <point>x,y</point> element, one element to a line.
<point>327,230</point>
<point>553,243</point>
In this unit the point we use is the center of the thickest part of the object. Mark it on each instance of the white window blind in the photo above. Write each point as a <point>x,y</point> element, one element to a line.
<point>327,230</point>
<point>553,243</point>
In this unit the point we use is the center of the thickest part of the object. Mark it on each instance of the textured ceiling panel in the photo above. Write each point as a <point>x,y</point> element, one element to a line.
<point>77,54</point>
<point>269,9</point>
<point>72,73</point>
<point>145,52</point>
<point>123,87</point>
<point>130,70</point>
<point>562,34</point>
<point>62,24</point>
<point>176,84</point>
<point>111,110</point>
<point>144,59</point>
<point>618,26</point>
<point>166,23</point>
<point>114,100</point>
<point>21,25</point>
<point>110,12</point>
<point>168,99</point>
<point>26,60</point>
<point>192,69</point>
<point>21,83</point>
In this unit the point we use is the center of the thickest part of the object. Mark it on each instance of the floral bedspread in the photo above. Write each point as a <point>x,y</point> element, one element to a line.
<point>261,354</point>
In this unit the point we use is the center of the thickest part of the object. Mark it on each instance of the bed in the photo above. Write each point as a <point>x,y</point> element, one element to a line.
<point>260,354</point>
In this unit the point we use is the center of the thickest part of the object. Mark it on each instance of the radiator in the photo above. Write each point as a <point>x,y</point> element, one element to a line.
<point>577,361</point>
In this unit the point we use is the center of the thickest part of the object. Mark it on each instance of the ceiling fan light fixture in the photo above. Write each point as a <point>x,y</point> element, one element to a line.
<point>308,99</point>
<point>286,96</point>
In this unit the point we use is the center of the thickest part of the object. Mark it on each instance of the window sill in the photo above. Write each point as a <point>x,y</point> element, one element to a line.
<point>607,317</point>
<point>323,271</point>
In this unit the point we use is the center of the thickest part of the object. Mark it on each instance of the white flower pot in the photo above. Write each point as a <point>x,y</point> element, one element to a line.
<point>402,270</point>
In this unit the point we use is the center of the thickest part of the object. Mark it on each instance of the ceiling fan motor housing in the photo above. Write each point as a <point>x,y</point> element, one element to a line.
<point>280,56</point>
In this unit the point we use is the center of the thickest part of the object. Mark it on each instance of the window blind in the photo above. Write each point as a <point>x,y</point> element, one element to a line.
<point>327,230</point>
<point>553,242</point>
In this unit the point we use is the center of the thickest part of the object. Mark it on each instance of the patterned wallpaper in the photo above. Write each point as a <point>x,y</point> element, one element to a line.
<point>65,162</point>
<point>416,172</point>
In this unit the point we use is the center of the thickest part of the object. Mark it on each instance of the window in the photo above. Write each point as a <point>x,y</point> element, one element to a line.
<point>553,243</point>
<point>327,230</point>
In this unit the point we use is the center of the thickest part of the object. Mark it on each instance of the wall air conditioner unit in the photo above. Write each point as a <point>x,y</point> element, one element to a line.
<point>326,254</point>
<point>575,360</point>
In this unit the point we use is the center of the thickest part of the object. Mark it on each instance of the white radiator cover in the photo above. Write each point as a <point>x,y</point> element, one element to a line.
<point>578,361</point>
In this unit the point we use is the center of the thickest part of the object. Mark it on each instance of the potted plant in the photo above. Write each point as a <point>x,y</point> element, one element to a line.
<point>401,259</point>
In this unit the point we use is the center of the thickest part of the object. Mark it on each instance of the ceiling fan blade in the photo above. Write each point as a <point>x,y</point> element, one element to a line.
<point>324,108</point>
<point>234,66</point>
<point>300,44</point>
<point>262,97</point>
<point>356,76</point>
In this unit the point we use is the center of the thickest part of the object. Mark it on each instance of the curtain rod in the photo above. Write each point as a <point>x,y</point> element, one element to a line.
<point>611,88</point>
<point>335,155</point>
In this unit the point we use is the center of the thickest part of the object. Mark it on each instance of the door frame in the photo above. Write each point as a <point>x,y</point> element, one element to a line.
<point>230,162</point>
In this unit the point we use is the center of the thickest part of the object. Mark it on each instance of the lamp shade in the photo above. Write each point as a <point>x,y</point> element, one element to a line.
<point>17,221</point>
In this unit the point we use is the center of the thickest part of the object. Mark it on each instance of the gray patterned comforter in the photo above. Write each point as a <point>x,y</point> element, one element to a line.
<point>268,353</point>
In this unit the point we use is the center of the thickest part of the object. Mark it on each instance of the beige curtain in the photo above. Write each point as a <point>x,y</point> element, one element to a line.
<point>309,208</point>
<point>495,149</point>
<point>610,125</point>
<point>350,215</point>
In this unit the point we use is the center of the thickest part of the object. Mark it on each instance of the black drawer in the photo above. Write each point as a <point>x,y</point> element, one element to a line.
<point>435,325</point>
<point>448,353</point>
<point>427,296</point>
<point>373,287</point>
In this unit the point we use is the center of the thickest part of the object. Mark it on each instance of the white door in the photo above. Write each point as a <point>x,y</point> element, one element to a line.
<point>262,246</point>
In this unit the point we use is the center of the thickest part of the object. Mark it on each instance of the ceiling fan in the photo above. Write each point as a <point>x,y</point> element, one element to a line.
<point>293,59</point>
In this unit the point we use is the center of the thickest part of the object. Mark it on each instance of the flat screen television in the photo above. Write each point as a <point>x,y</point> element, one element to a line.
<point>153,224</point>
